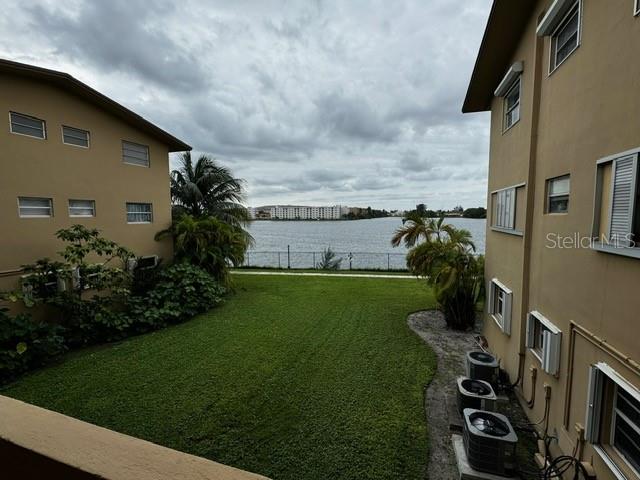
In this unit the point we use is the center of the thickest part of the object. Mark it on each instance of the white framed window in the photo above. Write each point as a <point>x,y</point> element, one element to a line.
<point>504,208</point>
<point>512,105</point>
<point>636,7</point>
<point>35,207</point>
<point>82,208</point>
<point>544,340</point>
<point>135,154</point>
<point>613,420</point>
<point>558,194</point>
<point>139,212</point>
<point>499,305</point>
<point>565,39</point>
<point>22,124</point>
<point>75,136</point>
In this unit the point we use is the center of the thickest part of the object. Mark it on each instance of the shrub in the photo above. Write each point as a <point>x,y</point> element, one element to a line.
<point>88,288</point>
<point>25,344</point>
<point>182,291</point>
<point>328,261</point>
<point>208,243</point>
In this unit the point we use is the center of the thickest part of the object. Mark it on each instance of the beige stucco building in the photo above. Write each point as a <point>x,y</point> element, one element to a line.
<point>72,155</point>
<point>562,82</point>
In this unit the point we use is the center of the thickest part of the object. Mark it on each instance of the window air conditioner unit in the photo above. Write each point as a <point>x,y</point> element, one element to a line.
<point>490,442</point>
<point>143,263</point>
<point>483,366</point>
<point>476,394</point>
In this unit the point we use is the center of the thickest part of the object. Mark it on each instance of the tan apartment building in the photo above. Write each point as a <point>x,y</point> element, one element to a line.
<point>562,82</point>
<point>71,155</point>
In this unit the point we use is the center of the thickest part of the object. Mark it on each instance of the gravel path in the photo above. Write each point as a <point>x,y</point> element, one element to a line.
<point>450,347</point>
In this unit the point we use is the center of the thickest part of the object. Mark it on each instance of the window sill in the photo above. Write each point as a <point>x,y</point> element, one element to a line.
<point>606,458</point>
<point>139,223</point>
<point>498,323</point>
<point>510,126</point>
<point>552,70</point>
<point>537,355</point>
<point>630,252</point>
<point>509,231</point>
<point>136,165</point>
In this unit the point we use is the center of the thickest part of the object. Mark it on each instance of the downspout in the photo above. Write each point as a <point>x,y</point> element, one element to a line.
<point>530,201</point>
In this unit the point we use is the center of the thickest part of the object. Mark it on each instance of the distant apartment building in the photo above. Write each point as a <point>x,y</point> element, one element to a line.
<point>71,155</point>
<point>561,80</point>
<point>296,212</point>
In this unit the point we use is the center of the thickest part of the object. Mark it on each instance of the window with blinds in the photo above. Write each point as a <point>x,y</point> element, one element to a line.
<point>504,208</point>
<point>617,212</point>
<point>82,208</point>
<point>139,212</point>
<point>27,125</point>
<point>35,207</point>
<point>135,154</point>
<point>75,136</point>
<point>512,105</point>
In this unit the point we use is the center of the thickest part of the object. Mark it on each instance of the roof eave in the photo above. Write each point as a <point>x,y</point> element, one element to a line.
<point>68,82</point>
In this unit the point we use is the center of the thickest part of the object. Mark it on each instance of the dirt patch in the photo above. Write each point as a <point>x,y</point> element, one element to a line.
<point>450,347</point>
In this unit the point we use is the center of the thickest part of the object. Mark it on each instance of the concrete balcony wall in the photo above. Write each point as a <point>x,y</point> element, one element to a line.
<point>39,443</point>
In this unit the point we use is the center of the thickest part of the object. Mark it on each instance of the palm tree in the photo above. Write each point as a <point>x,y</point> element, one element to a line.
<point>208,189</point>
<point>446,258</point>
<point>416,226</point>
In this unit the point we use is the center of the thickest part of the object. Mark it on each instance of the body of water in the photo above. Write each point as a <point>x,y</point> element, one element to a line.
<point>360,243</point>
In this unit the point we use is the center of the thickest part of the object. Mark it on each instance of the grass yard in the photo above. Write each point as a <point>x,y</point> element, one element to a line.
<point>293,378</point>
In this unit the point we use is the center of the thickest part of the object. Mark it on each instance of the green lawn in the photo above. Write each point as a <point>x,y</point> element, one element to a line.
<point>293,377</point>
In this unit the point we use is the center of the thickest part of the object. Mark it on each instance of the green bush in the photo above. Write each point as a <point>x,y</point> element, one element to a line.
<point>26,344</point>
<point>182,291</point>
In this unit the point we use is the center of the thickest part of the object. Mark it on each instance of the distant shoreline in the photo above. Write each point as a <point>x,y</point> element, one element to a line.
<point>347,219</point>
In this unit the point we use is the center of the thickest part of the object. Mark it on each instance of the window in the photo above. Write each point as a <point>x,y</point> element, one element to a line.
<point>566,38</point>
<point>139,213</point>
<point>617,214</point>
<point>543,338</point>
<point>636,8</point>
<point>82,208</point>
<point>27,125</point>
<point>558,195</point>
<point>35,207</point>
<point>75,136</point>
<point>512,105</point>
<point>499,305</point>
<point>613,420</point>
<point>504,208</point>
<point>135,154</point>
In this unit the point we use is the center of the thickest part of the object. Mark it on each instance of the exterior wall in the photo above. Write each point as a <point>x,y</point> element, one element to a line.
<point>589,109</point>
<point>509,166</point>
<point>49,168</point>
<point>299,212</point>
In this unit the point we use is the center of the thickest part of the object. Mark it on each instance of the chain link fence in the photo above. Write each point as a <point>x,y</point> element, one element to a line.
<point>309,260</point>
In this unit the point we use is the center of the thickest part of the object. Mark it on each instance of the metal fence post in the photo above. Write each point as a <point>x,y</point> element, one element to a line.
<point>388,261</point>
<point>279,266</point>
<point>248,259</point>
<point>314,260</point>
<point>288,256</point>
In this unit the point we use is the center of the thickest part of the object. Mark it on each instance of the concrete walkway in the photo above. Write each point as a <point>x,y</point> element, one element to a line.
<point>313,274</point>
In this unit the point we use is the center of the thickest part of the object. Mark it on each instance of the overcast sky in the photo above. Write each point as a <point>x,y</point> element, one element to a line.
<point>312,102</point>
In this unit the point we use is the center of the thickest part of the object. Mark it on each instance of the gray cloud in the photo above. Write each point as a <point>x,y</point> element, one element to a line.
<point>312,102</point>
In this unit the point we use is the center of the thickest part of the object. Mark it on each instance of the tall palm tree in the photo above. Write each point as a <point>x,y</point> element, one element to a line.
<point>208,189</point>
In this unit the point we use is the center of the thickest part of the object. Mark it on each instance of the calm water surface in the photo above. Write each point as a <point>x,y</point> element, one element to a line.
<point>368,241</point>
